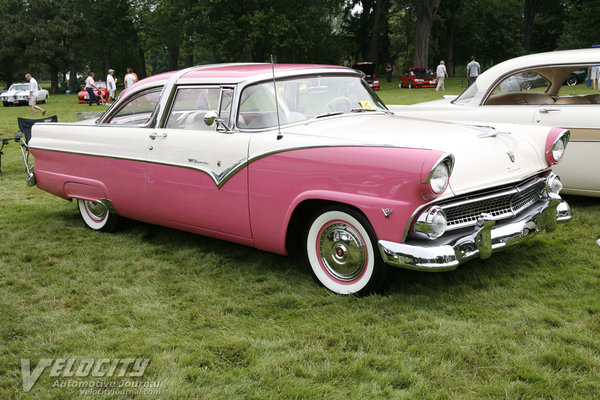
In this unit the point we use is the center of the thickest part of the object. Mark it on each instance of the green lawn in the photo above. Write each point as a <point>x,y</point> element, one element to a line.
<point>223,321</point>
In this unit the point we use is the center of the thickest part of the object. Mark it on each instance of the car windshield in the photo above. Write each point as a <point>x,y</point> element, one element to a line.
<point>467,95</point>
<point>100,85</point>
<point>421,71</point>
<point>302,98</point>
<point>20,86</point>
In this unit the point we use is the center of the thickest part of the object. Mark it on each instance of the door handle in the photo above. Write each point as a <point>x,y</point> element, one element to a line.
<point>548,110</point>
<point>154,135</point>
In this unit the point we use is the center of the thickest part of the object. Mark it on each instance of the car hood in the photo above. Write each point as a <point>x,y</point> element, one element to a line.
<point>484,156</point>
<point>16,93</point>
<point>368,69</point>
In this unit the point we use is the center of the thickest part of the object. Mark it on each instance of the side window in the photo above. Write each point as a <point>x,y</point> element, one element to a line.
<point>192,103</point>
<point>138,110</point>
<point>523,82</point>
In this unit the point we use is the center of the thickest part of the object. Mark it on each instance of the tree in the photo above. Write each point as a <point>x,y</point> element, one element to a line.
<point>529,11</point>
<point>426,10</point>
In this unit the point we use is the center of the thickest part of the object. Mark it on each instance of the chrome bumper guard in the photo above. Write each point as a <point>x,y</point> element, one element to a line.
<point>485,238</point>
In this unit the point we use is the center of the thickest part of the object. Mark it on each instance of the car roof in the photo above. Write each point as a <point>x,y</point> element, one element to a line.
<point>563,57</point>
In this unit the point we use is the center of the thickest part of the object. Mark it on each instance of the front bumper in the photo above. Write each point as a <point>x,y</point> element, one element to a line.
<point>486,237</point>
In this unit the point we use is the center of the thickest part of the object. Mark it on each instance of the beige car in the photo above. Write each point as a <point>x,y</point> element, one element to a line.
<point>541,89</point>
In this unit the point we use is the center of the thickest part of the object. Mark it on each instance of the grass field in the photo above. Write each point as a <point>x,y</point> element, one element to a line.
<point>222,321</point>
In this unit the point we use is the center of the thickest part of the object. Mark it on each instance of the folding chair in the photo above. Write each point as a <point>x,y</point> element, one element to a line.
<point>3,142</point>
<point>24,135</point>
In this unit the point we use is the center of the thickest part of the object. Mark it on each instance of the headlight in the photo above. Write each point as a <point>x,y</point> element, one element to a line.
<point>431,224</point>
<point>556,149</point>
<point>439,178</point>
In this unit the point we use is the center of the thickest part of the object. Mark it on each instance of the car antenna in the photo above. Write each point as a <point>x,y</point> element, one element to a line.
<point>279,135</point>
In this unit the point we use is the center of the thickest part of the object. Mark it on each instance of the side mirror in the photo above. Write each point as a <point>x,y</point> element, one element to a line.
<point>211,117</point>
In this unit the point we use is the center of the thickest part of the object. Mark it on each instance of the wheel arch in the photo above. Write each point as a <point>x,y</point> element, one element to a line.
<point>300,217</point>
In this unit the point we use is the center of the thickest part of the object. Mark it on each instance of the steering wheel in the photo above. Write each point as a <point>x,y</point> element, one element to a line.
<point>338,104</point>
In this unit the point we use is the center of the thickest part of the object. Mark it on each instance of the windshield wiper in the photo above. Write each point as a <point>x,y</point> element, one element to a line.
<point>328,114</point>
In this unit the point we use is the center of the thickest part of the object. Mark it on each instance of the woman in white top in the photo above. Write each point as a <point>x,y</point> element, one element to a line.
<point>441,73</point>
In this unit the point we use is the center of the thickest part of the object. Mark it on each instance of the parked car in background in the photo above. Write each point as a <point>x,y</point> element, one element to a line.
<point>102,93</point>
<point>287,156</point>
<point>18,93</point>
<point>368,68</point>
<point>531,80</point>
<point>498,95</point>
<point>418,78</point>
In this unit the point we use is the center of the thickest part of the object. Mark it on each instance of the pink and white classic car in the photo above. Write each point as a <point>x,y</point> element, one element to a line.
<point>276,156</point>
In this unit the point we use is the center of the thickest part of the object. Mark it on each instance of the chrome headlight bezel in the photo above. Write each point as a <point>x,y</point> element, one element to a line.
<point>557,150</point>
<point>438,178</point>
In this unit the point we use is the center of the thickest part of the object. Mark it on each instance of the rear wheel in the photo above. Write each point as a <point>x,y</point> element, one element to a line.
<point>526,86</point>
<point>96,216</point>
<point>342,253</point>
<point>572,80</point>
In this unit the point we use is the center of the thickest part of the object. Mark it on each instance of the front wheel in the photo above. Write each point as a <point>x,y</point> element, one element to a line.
<point>96,216</point>
<point>341,251</point>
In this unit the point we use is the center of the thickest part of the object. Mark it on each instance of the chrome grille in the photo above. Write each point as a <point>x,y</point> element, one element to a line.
<point>501,204</point>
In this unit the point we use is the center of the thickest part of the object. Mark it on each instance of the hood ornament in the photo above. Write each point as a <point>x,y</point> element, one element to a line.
<point>511,155</point>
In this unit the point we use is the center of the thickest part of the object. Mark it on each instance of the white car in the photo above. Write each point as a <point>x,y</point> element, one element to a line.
<point>540,89</point>
<point>18,92</point>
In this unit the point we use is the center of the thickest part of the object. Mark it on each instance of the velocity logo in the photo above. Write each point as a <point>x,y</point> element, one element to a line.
<point>88,367</point>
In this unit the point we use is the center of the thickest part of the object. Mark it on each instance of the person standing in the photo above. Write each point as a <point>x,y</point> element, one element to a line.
<point>389,70</point>
<point>473,70</point>
<point>111,85</point>
<point>441,74</point>
<point>130,78</point>
<point>90,85</point>
<point>595,75</point>
<point>33,94</point>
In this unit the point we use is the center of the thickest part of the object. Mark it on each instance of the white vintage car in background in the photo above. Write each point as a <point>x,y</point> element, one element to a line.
<point>19,92</point>
<point>285,156</point>
<point>540,89</point>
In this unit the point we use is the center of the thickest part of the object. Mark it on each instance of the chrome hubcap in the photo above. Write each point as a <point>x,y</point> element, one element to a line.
<point>342,251</point>
<point>96,211</point>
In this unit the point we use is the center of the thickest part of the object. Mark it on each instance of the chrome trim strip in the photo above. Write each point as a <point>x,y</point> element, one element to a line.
<point>487,236</point>
<point>223,177</point>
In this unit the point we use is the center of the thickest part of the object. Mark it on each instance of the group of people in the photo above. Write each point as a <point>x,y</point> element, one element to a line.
<point>111,85</point>
<point>90,87</point>
<point>473,71</point>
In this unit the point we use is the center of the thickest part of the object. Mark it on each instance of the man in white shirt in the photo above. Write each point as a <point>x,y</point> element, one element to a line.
<point>33,94</point>
<point>473,70</point>
<point>111,85</point>
<point>90,85</point>
<point>130,78</point>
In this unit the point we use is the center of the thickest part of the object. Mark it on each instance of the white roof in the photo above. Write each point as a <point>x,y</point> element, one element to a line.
<point>563,57</point>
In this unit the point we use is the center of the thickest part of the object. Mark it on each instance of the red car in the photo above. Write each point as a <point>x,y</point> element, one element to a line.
<point>102,93</point>
<point>368,68</point>
<point>418,78</point>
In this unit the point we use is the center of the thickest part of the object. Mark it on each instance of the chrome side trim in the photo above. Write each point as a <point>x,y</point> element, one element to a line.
<point>486,237</point>
<point>221,178</point>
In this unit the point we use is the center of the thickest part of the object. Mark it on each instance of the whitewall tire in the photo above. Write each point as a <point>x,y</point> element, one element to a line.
<point>341,250</point>
<point>97,216</point>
